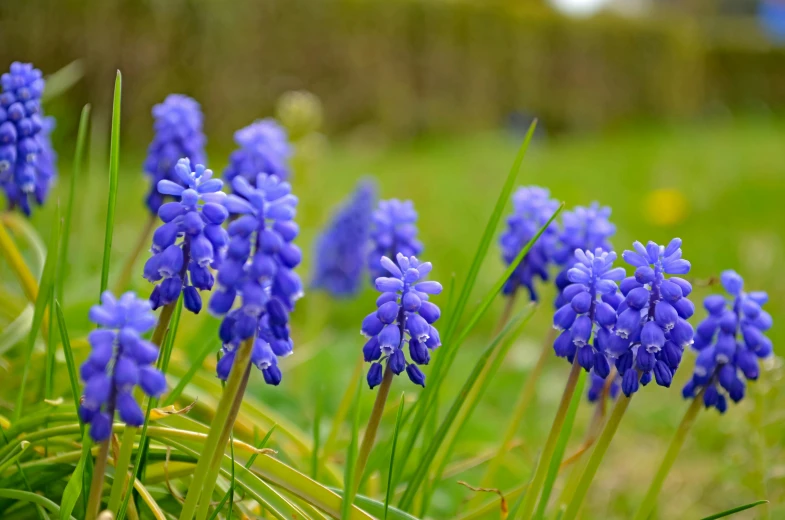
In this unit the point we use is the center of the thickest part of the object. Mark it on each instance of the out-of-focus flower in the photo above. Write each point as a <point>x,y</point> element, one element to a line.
<point>597,386</point>
<point>665,207</point>
<point>586,320</point>
<point>258,270</point>
<point>729,343</point>
<point>651,328</point>
<point>586,228</point>
<point>403,310</point>
<point>27,160</point>
<point>394,231</point>
<point>342,248</point>
<point>119,361</point>
<point>532,207</point>
<point>263,149</point>
<point>191,238</point>
<point>178,134</point>
<point>300,112</point>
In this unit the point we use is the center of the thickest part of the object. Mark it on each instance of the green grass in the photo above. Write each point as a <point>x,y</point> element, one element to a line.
<point>731,174</point>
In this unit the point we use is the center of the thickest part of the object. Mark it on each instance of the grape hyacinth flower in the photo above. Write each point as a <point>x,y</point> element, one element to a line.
<point>263,148</point>
<point>585,228</point>
<point>342,247</point>
<point>120,360</point>
<point>402,310</point>
<point>729,343</point>
<point>532,207</point>
<point>178,134</point>
<point>597,386</point>
<point>258,270</point>
<point>394,231</point>
<point>27,161</point>
<point>191,238</point>
<point>651,328</point>
<point>587,319</point>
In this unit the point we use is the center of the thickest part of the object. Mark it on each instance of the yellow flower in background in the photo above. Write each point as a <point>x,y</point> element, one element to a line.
<point>665,207</point>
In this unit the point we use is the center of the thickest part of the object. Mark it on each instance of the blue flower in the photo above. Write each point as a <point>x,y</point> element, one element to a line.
<point>651,328</point>
<point>257,270</point>
<point>532,207</point>
<point>729,343</point>
<point>402,310</point>
<point>264,148</point>
<point>119,361</point>
<point>597,386</point>
<point>191,238</point>
<point>342,247</point>
<point>588,318</point>
<point>178,134</point>
<point>582,228</point>
<point>27,161</point>
<point>394,231</point>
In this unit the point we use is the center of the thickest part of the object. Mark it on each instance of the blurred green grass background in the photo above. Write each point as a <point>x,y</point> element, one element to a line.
<point>718,185</point>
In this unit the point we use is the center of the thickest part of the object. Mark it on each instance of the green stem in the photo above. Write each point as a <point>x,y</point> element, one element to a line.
<point>596,457</point>
<point>121,468</point>
<point>524,400</point>
<point>646,507</point>
<point>139,247</point>
<point>217,457</point>
<point>222,415</point>
<point>369,437</point>
<point>533,491</point>
<point>97,485</point>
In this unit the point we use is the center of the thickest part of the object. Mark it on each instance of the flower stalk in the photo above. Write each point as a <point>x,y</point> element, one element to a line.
<point>596,457</point>
<point>649,501</point>
<point>221,425</point>
<point>369,437</point>
<point>128,267</point>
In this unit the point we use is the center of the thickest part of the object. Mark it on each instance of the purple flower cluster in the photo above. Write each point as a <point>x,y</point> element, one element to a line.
<point>191,238</point>
<point>586,320</point>
<point>263,148</point>
<point>342,247</point>
<point>729,343</point>
<point>120,360</point>
<point>651,329</point>
<point>597,386</point>
<point>27,161</point>
<point>532,207</point>
<point>586,228</point>
<point>258,269</point>
<point>402,309</point>
<point>394,231</point>
<point>178,134</point>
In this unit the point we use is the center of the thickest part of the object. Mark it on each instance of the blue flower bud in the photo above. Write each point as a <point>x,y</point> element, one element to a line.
<point>663,374</point>
<point>388,312</point>
<point>374,375</point>
<point>415,375</point>
<point>418,351</point>
<point>637,298</point>
<point>224,365</point>
<point>397,361</point>
<point>629,382</point>
<point>644,360</point>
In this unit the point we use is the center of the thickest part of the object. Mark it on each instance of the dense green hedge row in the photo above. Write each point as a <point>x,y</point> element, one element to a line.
<point>404,66</point>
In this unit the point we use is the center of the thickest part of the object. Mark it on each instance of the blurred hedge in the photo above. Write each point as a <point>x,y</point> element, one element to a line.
<point>406,66</point>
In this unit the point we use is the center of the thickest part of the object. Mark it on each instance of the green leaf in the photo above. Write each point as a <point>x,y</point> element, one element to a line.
<point>33,498</point>
<point>114,169</point>
<point>81,140</point>
<point>15,331</point>
<point>564,436</point>
<point>376,508</point>
<point>62,80</point>
<point>74,487</point>
<point>316,433</point>
<point>390,480</point>
<point>194,367</point>
<point>45,289</point>
<point>73,376</point>
<point>735,510</point>
<point>436,442</point>
<point>349,486</point>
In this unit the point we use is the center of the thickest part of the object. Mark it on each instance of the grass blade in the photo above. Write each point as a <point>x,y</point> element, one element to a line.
<point>316,433</point>
<point>74,487</point>
<point>735,510</point>
<point>351,458</point>
<point>73,377</point>
<point>44,292</point>
<point>209,347</point>
<point>33,498</point>
<point>564,436</point>
<point>390,481</point>
<point>450,351</point>
<point>114,169</point>
<point>81,140</point>
<point>62,80</point>
<point>427,458</point>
